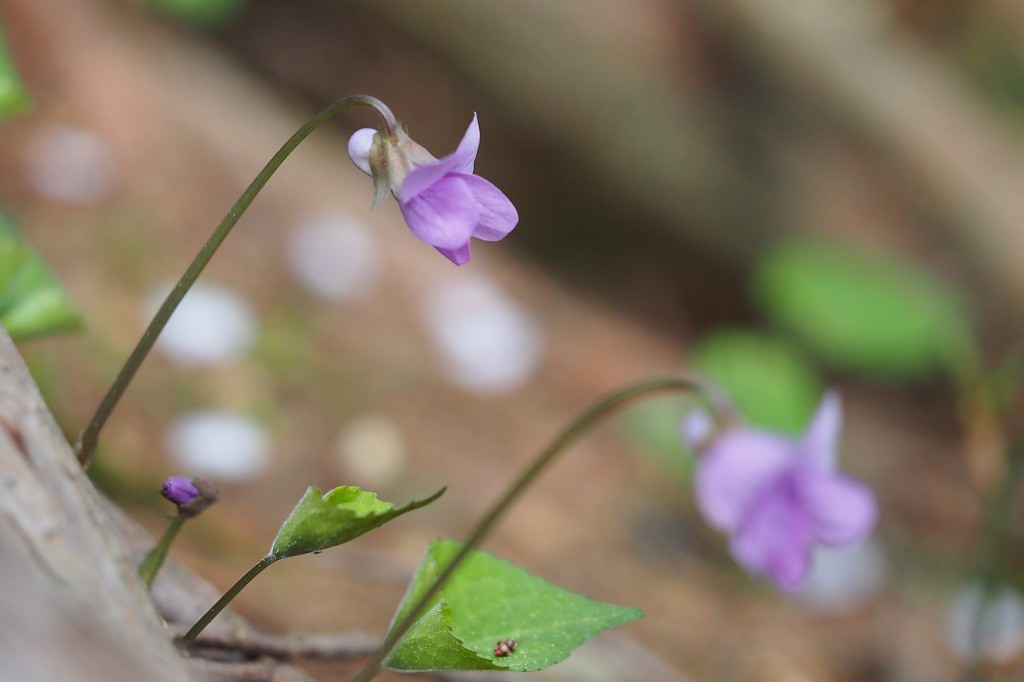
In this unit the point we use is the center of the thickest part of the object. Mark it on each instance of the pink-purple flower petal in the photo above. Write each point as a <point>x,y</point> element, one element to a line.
<point>444,215</point>
<point>459,161</point>
<point>821,439</point>
<point>459,256</point>
<point>464,155</point>
<point>497,214</point>
<point>775,537</point>
<point>841,510</point>
<point>734,471</point>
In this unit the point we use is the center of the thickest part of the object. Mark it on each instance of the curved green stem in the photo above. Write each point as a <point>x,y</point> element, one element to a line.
<point>86,445</point>
<point>580,426</point>
<point>154,558</point>
<point>201,624</point>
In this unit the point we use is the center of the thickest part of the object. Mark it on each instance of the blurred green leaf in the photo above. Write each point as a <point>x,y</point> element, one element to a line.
<point>32,301</point>
<point>863,312</point>
<point>653,426</point>
<point>201,13</point>
<point>768,381</point>
<point>995,62</point>
<point>321,520</point>
<point>489,600</point>
<point>13,97</point>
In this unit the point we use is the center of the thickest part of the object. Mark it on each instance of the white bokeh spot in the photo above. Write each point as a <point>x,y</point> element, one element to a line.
<point>333,256</point>
<point>212,324</point>
<point>70,164</point>
<point>371,449</point>
<point>485,342</point>
<point>842,579</point>
<point>221,445</point>
<point>997,636</point>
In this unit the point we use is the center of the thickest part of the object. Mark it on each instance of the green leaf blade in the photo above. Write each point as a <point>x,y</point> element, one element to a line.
<point>323,520</point>
<point>490,600</point>
<point>13,97</point>
<point>32,301</point>
<point>432,645</point>
<point>863,312</point>
<point>652,426</point>
<point>770,384</point>
<point>200,13</point>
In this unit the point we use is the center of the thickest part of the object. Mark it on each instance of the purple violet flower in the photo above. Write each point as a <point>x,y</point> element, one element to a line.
<point>777,497</point>
<point>443,202</point>
<point>179,490</point>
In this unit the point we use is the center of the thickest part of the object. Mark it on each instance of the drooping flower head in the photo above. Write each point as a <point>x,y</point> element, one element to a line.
<point>777,497</point>
<point>444,203</point>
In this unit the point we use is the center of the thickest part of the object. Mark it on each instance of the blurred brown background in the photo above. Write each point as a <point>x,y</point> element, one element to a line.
<point>654,149</point>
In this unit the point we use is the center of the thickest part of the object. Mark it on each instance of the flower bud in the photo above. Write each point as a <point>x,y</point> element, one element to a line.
<point>697,427</point>
<point>191,495</point>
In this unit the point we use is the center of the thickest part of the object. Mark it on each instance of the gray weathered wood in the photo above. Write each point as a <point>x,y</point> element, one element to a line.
<point>73,606</point>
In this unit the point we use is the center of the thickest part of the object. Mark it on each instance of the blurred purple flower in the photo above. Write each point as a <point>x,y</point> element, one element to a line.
<point>179,490</point>
<point>777,497</point>
<point>443,202</point>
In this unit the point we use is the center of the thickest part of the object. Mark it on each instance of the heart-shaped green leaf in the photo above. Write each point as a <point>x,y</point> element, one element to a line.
<point>322,520</point>
<point>200,13</point>
<point>13,97</point>
<point>431,645</point>
<point>653,426</point>
<point>32,301</point>
<point>770,384</point>
<point>862,311</point>
<point>488,600</point>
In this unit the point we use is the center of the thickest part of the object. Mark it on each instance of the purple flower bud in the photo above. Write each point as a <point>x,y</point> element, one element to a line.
<point>179,490</point>
<point>191,495</point>
<point>444,203</point>
<point>777,497</point>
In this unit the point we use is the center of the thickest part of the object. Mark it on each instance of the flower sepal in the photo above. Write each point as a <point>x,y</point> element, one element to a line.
<point>387,158</point>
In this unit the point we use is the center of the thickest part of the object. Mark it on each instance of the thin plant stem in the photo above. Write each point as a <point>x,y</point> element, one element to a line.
<point>576,429</point>
<point>154,558</point>
<point>201,624</point>
<point>992,560</point>
<point>86,445</point>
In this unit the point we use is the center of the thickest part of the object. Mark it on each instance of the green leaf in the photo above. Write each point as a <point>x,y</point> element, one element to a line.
<point>13,97</point>
<point>861,311</point>
<point>653,426</point>
<point>200,13</point>
<point>768,381</point>
<point>32,301</point>
<point>489,600</point>
<point>431,645</point>
<point>322,520</point>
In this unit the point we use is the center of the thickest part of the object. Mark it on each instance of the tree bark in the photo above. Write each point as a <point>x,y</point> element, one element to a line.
<point>73,606</point>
